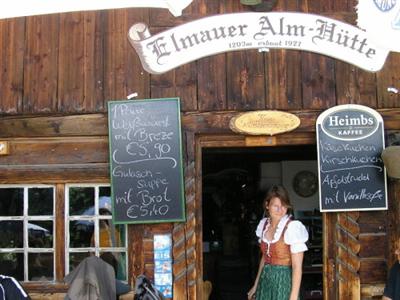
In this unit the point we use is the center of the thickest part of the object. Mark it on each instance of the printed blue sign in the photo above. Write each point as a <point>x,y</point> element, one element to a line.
<point>163,264</point>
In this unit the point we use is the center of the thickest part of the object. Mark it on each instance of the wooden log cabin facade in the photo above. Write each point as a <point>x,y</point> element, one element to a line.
<point>58,72</point>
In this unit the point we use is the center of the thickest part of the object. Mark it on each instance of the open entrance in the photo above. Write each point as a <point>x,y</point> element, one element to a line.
<point>234,182</point>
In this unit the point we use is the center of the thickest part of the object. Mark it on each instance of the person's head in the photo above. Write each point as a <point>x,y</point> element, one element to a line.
<point>277,202</point>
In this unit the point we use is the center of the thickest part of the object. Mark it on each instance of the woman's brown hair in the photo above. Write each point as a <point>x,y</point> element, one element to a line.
<point>278,191</point>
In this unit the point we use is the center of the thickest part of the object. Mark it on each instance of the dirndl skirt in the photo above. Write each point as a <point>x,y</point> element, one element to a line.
<point>275,283</point>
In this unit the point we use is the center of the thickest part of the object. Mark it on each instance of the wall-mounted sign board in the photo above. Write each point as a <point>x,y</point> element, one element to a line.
<point>264,122</point>
<point>146,161</point>
<point>350,140</point>
<point>385,29</point>
<point>212,35</point>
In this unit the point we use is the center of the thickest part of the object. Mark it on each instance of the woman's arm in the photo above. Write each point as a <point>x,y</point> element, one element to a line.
<point>297,265</point>
<point>386,298</point>
<point>252,291</point>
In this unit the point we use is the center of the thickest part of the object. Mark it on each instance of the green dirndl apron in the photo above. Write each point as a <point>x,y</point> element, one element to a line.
<point>275,283</point>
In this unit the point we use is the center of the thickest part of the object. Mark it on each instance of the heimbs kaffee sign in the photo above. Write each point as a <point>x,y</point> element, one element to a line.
<point>279,30</point>
<point>350,140</point>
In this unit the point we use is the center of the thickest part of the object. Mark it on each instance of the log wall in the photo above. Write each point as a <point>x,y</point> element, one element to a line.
<point>75,62</point>
<point>57,73</point>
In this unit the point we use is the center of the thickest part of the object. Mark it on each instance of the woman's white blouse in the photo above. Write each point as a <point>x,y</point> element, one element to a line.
<point>296,234</point>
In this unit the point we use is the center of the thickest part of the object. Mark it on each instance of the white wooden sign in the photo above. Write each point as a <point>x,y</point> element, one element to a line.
<point>282,30</point>
<point>381,21</point>
<point>19,8</point>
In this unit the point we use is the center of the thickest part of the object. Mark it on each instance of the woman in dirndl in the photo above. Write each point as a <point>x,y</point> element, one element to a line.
<point>282,242</point>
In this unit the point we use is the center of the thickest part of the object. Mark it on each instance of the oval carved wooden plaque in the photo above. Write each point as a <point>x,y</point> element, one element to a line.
<point>264,122</point>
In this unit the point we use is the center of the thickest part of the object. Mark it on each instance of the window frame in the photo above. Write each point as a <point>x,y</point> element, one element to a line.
<point>25,218</point>
<point>96,217</point>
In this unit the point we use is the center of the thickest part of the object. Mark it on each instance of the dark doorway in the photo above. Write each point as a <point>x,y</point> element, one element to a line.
<point>233,186</point>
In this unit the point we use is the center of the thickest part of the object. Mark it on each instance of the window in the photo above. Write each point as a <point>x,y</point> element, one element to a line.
<point>90,228</point>
<point>27,232</point>
<point>28,218</point>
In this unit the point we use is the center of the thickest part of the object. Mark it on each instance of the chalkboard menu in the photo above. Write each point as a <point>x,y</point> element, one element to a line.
<point>350,141</point>
<point>146,161</point>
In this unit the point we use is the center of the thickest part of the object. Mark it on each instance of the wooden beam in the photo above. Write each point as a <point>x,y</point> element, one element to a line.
<point>372,270</point>
<point>52,126</point>
<point>372,290</point>
<point>55,173</point>
<point>47,151</point>
<point>59,234</point>
<point>97,124</point>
